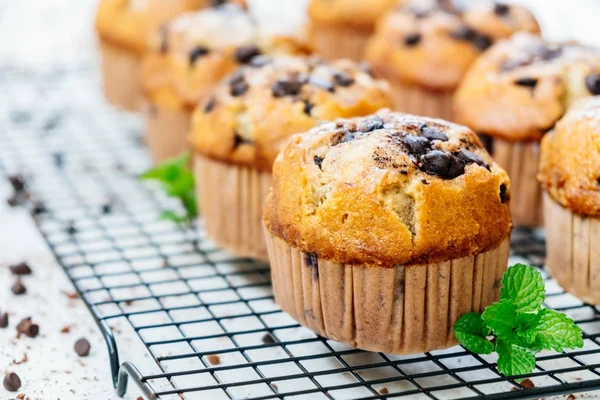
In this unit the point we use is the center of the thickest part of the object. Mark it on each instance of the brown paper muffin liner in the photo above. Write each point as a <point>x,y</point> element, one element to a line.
<point>120,73</point>
<point>416,100</point>
<point>520,160</point>
<point>166,131</point>
<point>572,258</point>
<point>231,200</point>
<point>333,42</point>
<point>402,310</point>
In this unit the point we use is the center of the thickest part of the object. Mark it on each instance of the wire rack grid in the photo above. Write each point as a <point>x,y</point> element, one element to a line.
<point>207,318</point>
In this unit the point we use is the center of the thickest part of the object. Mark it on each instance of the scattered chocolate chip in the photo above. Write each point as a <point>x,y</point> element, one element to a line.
<point>3,320</point>
<point>11,382</point>
<point>66,329</point>
<point>308,106</point>
<point>384,391</point>
<point>17,182</point>
<point>82,347</point>
<point>417,145</point>
<point>286,87</point>
<point>412,39</point>
<point>260,61</point>
<point>20,269</point>
<point>71,230</point>
<point>213,359</point>
<point>52,123</point>
<point>435,162</point>
<point>59,159</point>
<point>239,140</point>
<point>38,208</point>
<point>107,207</point>
<point>464,33</point>
<point>210,104</point>
<point>592,82</point>
<point>28,328</point>
<point>526,82</point>
<point>482,42</point>
<point>433,134</point>
<point>245,54</point>
<point>468,157</point>
<point>503,196</point>
<point>371,124</point>
<point>318,161</point>
<point>312,261</point>
<point>268,339</point>
<point>18,288</point>
<point>322,83</point>
<point>196,53</point>
<point>365,67</point>
<point>238,84</point>
<point>343,79</point>
<point>527,384</point>
<point>13,201</point>
<point>501,9</point>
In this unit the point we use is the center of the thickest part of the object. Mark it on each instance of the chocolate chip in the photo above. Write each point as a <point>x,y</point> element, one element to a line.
<point>210,104</point>
<point>482,42</point>
<point>82,347</point>
<point>13,201</point>
<point>412,39</point>
<point>17,182</point>
<point>365,67</point>
<point>417,145</point>
<point>239,86</point>
<point>286,87</point>
<point>318,161</point>
<point>260,61</point>
<point>308,106</point>
<point>487,142</point>
<point>196,53</point>
<point>526,82</point>
<point>592,82</point>
<point>403,172</point>
<point>464,33</point>
<point>107,208</point>
<point>433,134</point>
<point>245,54</point>
<point>268,339</point>
<point>503,197</point>
<point>218,3</point>
<point>468,157</point>
<point>3,320</point>
<point>28,328</point>
<point>348,137</point>
<point>52,122</point>
<point>18,288</point>
<point>455,168</point>
<point>239,140</point>
<point>371,124</point>
<point>343,79</point>
<point>71,230</point>
<point>312,261</point>
<point>322,83</point>
<point>501,9</point>
<point>38,208</point>
<point>213,359</point>
<point>20,269</point>
<point>11,382</point>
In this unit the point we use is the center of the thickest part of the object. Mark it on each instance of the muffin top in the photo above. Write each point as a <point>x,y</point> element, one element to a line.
<point>130,23</point>
<point>441,38</point>
<point>388,189</point>
<point>570,159</point>
<point>522,86</point>
<point>255,110</point>
<point>355,13</point>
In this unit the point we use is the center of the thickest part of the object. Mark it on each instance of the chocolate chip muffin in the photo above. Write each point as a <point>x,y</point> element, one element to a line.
<point>383,230</point>
<point>341,28</point>
<point>515,93</point>
<point>570,175</point>
<point>238,132</point>
<point>124,27</point>
<point>424,47</point>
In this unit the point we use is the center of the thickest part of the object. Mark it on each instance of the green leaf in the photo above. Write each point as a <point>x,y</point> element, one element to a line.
<point>501,318</point>
<point>554,330</point>
<point>171,216</point>
<point>471,331</point>
<point>514,359</point>
<point>524,286</point>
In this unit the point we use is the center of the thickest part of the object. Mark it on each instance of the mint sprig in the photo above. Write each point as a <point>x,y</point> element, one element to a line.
<point>177,180</point>
<point>517,327</point>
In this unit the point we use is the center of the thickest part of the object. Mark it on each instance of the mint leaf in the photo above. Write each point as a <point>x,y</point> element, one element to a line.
<point>514,359</point>
<point>524,287</point>
<point>554,330</point>
<point>501,318</point>
<point>470,330</point>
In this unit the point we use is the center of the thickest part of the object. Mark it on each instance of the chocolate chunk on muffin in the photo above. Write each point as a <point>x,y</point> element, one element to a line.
<point>515,93</point>
<point>407,223</point>
<point>252,113</point>
<point>424,47</point>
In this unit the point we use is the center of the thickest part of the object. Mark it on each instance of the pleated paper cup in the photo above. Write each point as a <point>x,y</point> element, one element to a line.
<point>333,42</point>
<point>166,131</point>
<point>572,256</point>
<point>231,200</point>
<point>520,160</point>
<point>413,99</point>
<point>401,310</point>
<point>120,73</point>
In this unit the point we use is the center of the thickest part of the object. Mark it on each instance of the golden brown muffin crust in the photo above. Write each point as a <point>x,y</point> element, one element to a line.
<point>388,189</point>
<point>441,39</point>
<point>254,111</point>
<point>570,159</point>
<point>522,86</point>
<point>360,14</point>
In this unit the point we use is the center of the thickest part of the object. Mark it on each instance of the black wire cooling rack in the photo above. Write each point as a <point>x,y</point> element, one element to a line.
<point>188,302</point>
